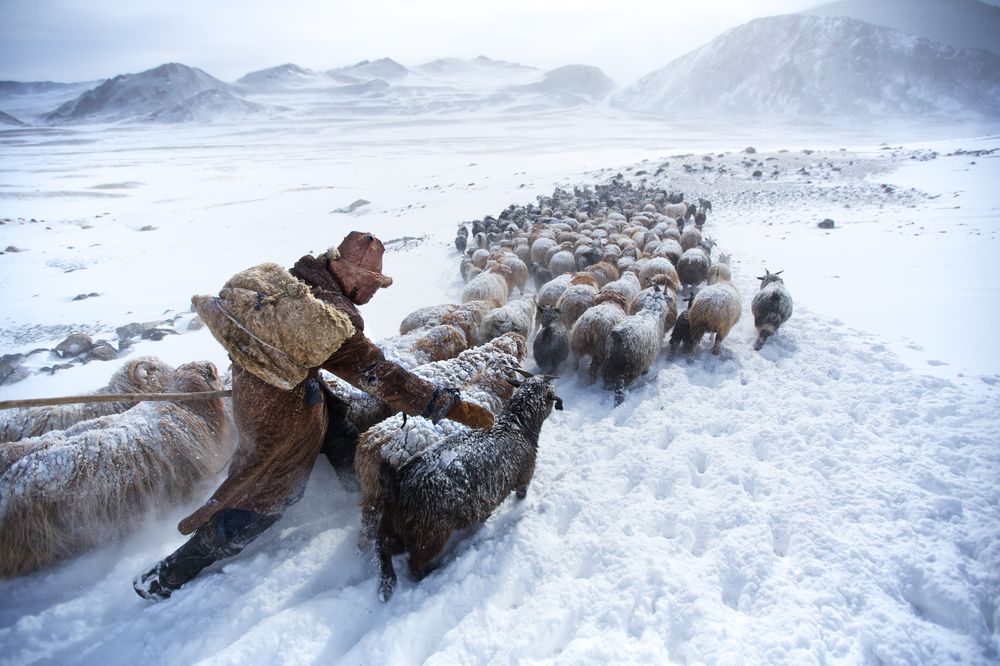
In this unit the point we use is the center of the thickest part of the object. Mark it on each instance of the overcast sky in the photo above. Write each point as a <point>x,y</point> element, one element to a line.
<point>79,40</point>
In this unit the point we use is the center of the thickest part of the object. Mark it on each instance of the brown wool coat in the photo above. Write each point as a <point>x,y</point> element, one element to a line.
<point>279,435</point>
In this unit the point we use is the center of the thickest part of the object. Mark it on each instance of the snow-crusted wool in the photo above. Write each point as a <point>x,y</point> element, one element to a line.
<point>517,316</point>
<point>466,316</point>
<point>719,272</point>
<point>590,332</point>
<point>550,347</point>
<point>480,374</point>
<point>425,345</point>
<point>715,309</point>
<point>635,342</point>
<point>539,247</point>
<point>771,307</point>
<point>458,482</point>
<point>145,374</point>
<point>71,489</point>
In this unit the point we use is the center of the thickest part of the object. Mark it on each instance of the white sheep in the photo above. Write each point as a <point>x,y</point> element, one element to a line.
<point>589,335</point>
<point>516,316</point>
<point>68,490</point>
<point>145,374</point>
<point>715,309</point>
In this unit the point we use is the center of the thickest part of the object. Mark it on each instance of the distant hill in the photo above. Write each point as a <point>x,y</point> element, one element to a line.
<point>384,68</point>
<point>208,106</point>
<point>132,96</point>
<point>281,77</point>
<point>579,80</point>
<point>479,64</point>
<point>813,67</point>
<point>968,24</point>
<point>7,119</point>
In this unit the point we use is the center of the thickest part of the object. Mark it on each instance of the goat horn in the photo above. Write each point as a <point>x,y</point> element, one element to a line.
<point>550,378</point>
<point>523,372</point>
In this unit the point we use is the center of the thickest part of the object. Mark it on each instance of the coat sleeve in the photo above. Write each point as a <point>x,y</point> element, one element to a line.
<point>361,363</point>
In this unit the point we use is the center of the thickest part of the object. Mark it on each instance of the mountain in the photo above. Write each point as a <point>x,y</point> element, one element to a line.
<point>478,65</point>
<point>384,68</point>
<point>208,106</point>
<point>581,81</point>
<point>32,99</point>
<point>132,96</point>
<point>968,24</point>
<point>7,119</point>
<point>813,67</point>
<point>282,77</point>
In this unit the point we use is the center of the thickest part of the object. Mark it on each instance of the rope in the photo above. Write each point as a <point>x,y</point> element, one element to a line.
<point>114,397</point>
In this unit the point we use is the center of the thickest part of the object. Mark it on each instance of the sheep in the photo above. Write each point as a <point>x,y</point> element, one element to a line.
<point>635,342</point>
<point>490,286</point>
<point>71,489</point>
<point>551,344</point>
<point>628,285</point>
<point>692,267</point>
<point>480,257</point>
<point>659,267</point>
<point>518,270</point>
<point>690,238</point>
<point>771,306</point>
<point>719,272</point>
<point>675,210</point>
<point>461,238</point>
<point>145,374</point>
<point>604,272</point>
<point>574,301</point>
<point>458,482</point>
<point>589,334</point>
<point>517,316</point>
<point>481,374</point>
<point>538,249</point>
<point>715,309</point>
<point>562,262</point>
<point>435,343</point>
<point>670,249</point>
<point>549,292</point>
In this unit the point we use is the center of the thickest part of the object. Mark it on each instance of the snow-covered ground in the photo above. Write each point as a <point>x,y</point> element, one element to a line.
<point>834,498</point>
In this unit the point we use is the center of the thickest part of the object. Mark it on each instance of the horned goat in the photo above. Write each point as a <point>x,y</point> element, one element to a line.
<point>550,347</point>
<point>771,306</point>
<point>458,482</point>
<point>481,374</point>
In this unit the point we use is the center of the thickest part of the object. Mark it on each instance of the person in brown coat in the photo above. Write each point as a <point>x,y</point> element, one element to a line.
<point>281,431</point>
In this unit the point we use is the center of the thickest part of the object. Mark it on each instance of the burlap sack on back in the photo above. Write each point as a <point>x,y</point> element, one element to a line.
<point>272,325</point>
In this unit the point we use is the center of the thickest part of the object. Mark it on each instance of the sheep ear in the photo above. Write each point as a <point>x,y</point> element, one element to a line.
<point>761,277</point>
<point>780,272</point>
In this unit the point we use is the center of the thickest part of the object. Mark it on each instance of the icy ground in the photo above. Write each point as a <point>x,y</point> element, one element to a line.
<point>834,498</point>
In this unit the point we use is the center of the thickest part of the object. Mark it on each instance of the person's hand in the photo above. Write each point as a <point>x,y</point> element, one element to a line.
<point>471,414</point>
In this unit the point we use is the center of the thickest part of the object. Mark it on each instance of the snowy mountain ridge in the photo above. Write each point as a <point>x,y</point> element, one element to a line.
<point>812,67</point>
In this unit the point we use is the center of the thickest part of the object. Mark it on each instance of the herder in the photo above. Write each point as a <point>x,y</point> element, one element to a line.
<point>283,412</point>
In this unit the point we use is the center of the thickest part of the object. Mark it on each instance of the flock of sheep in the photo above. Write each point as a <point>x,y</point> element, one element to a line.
<point>608,266</point>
